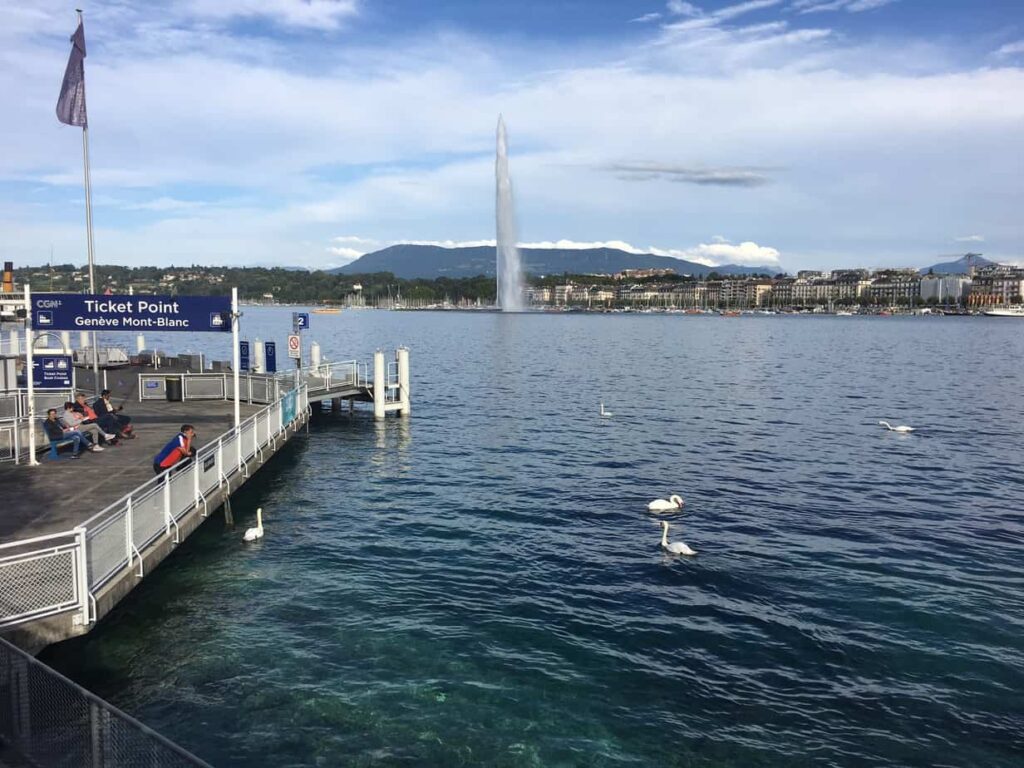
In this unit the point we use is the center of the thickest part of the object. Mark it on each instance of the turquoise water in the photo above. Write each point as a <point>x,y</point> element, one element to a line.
<point>482,584</point>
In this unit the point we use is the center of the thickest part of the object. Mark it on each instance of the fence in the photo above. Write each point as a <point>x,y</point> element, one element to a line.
<point>53,574</point>
<point>48,720</point>
<point>253,388</point>
<point>256,387</point>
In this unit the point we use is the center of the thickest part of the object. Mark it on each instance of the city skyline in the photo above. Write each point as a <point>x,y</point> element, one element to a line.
<point>785,134</point>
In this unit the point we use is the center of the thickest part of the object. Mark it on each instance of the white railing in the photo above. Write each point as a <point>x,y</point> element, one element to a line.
<point>253,387</point>
<point>328,376</point>
<point>53,574</point>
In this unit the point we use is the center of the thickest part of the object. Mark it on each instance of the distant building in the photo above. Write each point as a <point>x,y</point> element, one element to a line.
<point>634,274</point>
<point>945,289</point>
<point>894,287</point>
<point>997,284</point>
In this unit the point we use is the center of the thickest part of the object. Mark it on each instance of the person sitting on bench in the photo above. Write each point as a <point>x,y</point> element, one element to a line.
<point>74,420</point>
<point>104,407</point>
<point>58,433</point>
<point>178,452</point>
<point>107,422</point>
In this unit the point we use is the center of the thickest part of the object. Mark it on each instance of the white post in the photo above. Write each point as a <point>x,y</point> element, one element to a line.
<point>403,379</point>
<point>314,355</point>
<point>129,530</point>
<point>83,572</point>
<point>65,341</point>
<point>380,385</point>
<point>235,362</point>
<point>140,343</point>
<point>15,346</point>
<point>83,339</point>
<point>258,357</point>
<point>28,380</point>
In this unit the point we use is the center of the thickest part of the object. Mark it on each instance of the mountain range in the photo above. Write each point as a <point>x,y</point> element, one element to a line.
<point>959,266</point>
<point>432,261</point>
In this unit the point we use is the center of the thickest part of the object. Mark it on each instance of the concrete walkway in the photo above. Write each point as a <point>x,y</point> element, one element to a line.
<point>58,495</point>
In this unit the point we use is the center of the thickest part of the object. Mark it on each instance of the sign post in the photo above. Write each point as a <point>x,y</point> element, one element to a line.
<point>243,352</point>
<point>52,372</point>
<point>235,363</point>
<point>270,356</point>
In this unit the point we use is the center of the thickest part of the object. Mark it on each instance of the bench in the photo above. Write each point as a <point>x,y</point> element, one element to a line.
<point>55,444</point>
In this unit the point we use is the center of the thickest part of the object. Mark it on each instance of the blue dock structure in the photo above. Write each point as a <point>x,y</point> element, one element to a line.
<point>69,552</point>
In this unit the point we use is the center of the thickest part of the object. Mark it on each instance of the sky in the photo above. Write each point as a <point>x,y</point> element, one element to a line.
<point>795,134</point>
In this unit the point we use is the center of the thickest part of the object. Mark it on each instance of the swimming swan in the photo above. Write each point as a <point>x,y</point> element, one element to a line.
<point>675,547</point>
<point>891,428</point>
<point>660,505</point>
<point>255,533</point>
<point>606,414</point>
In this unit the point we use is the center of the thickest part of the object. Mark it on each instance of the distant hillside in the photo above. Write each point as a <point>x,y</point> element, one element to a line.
<point>431,261</point>
<point>958,267</point>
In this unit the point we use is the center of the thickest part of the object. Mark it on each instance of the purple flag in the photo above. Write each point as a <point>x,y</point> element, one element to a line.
<point>71,104</point>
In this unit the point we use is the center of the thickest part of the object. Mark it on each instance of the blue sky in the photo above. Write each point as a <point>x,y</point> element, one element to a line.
<point>800,133</point>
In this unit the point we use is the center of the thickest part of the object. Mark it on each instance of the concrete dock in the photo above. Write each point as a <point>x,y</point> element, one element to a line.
<point>61,494</point>
<point>76,536</point>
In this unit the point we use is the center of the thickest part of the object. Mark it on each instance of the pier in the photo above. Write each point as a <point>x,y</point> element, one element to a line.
<point>77,536</point>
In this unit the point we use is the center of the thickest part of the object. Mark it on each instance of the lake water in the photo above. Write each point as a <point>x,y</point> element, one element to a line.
<point>481,584</point>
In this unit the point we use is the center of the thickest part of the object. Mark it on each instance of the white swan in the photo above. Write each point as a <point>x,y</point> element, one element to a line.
<point>675,547</point>
<point>660,505</point>
<point>606,414</point>
<point>255,533</point>
<point>891,428</point>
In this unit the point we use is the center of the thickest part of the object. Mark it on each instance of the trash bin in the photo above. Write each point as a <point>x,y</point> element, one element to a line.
<point>173,386</point>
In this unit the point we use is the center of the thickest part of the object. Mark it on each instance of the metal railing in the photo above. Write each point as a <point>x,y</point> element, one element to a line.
<point>48,720</point>
<point>328,376</point>
<point>53,574</point>
<point>253,387</point>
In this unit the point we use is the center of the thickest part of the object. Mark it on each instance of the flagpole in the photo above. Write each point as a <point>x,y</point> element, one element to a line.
<point>88,229</point>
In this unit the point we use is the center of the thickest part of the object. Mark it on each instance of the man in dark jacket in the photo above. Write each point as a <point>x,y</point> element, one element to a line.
<point>104,407</point>
<point>56,431</point>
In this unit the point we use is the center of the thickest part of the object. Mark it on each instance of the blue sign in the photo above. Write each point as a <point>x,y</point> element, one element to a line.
<point>300,321</point>
<point>243,355</point>
<point>85,312</point>
<point>270,357</point>
<point>288,403</point>
<point>51,371</point>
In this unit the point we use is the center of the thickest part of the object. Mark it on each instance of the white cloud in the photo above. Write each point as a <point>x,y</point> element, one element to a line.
<point>970,239</point>
<point>1011,49</point>
<point>682,8</point>
<point>654,16</point>
<point>291,145</point>
<point>315,14</point>
<point>850,6</point>
<point>858,6</point>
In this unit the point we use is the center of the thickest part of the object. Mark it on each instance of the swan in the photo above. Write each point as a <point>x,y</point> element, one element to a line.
<point>660,505</point>
<point>255,533</point>
<point>675,547</point>
<point>891,428</point>
<point>606,414</point>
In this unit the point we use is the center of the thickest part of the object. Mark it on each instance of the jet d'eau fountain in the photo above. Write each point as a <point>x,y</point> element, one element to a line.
<point>509,268</point>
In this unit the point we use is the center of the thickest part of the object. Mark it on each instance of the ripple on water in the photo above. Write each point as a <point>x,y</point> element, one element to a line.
<point>483,585</point>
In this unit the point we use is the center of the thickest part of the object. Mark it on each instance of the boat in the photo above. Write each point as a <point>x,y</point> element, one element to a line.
<point>844,313</point>
<point>327,311</point>
<point>1005,312</point>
